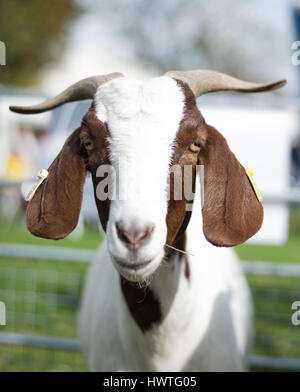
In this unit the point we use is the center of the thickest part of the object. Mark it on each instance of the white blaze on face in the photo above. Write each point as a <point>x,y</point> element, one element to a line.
<point>142,120</point>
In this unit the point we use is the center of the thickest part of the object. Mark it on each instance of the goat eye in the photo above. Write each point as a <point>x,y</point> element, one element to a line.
<point>195,147</point>
<point>89,145</point>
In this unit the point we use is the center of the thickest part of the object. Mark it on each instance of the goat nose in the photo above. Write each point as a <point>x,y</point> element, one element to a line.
<point>134,239</point>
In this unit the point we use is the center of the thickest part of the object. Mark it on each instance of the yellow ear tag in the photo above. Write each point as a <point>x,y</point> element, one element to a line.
<point>250,173</point>
<point>42,175</point>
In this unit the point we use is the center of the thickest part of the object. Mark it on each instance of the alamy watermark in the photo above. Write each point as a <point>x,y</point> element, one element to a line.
<point>296,315</point>
<point>120,183</point>
<point>2,313</point>
<point>2,53</point>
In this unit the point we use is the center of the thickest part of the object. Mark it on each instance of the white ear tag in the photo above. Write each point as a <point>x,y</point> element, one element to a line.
<point>42,175</point>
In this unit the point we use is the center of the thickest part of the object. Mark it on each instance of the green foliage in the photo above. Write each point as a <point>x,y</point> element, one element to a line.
<point>35,34</point>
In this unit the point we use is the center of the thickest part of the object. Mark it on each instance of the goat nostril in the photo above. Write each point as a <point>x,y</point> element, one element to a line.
<point>123,235</point>
<point>133,238</point>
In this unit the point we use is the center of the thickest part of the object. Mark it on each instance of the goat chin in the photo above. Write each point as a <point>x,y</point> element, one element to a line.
<point>142,274</point>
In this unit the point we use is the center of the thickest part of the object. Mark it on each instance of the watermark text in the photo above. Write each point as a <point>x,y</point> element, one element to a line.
<point>2,53</point>
<point>296,315</point>
<point>2,313</point>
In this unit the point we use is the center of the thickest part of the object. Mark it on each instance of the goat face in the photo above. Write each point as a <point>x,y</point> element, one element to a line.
<point>141,132</point>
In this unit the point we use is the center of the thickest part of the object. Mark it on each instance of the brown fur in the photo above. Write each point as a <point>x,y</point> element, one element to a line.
<point>231,211</point>
<point>142,304</point>
<point>54,210</point>
<point>97,132</point>
<point>192,129</point>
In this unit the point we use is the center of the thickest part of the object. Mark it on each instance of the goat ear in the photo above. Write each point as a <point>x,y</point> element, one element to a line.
<point>53,211</point>
<point>231,212</point>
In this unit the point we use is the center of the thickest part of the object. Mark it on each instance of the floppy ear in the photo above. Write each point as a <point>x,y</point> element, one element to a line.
<point>231,212</point>
<point>53,211</point>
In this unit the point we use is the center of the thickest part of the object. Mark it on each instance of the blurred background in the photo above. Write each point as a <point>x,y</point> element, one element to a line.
<point>52,44</point>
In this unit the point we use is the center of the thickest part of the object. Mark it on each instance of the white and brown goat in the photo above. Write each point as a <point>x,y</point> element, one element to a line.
<point>194,311</point>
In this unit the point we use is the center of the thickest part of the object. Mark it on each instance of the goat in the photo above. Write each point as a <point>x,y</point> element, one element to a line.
<point>148,305</point>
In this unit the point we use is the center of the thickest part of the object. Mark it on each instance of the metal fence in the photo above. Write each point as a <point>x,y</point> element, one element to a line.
<point>42,294</point>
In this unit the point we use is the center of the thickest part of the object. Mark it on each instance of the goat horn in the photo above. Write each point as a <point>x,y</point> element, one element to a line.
<point>84,89</point>
<point>204,81</point>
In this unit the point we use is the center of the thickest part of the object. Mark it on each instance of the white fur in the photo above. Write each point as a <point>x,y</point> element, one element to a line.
<point>206,323</point>
<point>142,119</point>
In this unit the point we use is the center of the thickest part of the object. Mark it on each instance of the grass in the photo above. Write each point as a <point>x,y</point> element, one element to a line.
<point>287,253</point>
<point>21,359</point>
<point>42,298</point>
<point>275,334</point>
<point>16,232</point>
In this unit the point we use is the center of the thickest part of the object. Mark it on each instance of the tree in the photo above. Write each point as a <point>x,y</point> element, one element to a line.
<point>34,33</point>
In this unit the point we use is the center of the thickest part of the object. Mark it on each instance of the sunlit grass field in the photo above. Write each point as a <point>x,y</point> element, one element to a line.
<point>42,298</point>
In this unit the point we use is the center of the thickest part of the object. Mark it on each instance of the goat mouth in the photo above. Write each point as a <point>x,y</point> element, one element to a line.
<point>132,266</point>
